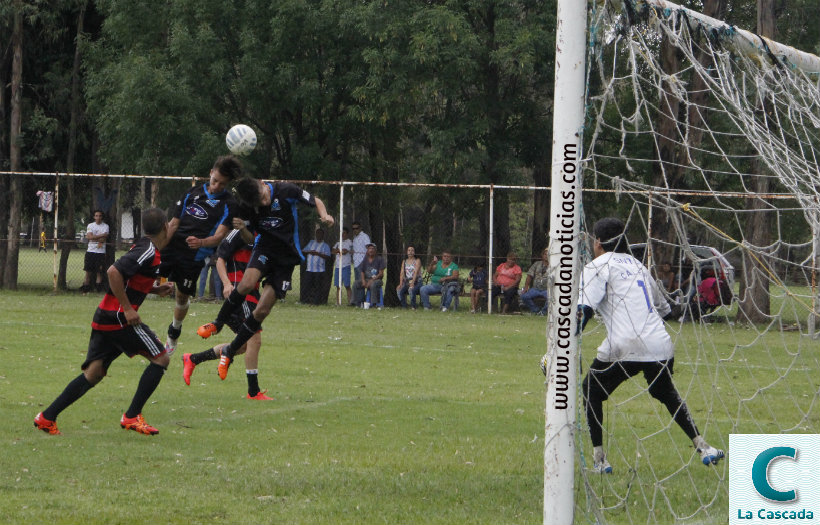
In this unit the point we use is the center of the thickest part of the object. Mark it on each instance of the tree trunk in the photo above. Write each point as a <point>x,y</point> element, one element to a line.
<point>540,213</point>
<point>675,158</point>
<point>754,303</point>
<point>68,209</point>
<point>4,144</point>
<point>15,188</point>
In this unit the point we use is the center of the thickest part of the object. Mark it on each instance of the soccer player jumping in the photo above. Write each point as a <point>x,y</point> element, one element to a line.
<point>117,329</point>
<point>272,213</point>
<point>202,218</point>
<point>632,307</point>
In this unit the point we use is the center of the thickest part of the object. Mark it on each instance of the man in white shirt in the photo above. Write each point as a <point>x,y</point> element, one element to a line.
<point>342,250</point>
<point>632,308</point>
<point>360,242</point>
<point>94,264</point>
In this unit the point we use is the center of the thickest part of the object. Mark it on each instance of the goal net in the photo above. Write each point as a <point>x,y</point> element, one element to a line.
<point>704,139</point>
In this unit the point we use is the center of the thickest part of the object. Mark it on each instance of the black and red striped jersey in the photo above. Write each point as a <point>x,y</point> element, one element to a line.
<point>200,213</point>
<point>139,268</point>
<point>236,253</point>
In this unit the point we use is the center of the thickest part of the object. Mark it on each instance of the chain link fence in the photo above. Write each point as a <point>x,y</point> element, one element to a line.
<point>477,224</point>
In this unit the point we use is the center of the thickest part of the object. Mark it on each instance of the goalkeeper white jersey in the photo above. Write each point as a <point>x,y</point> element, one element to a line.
<point>631,305</point>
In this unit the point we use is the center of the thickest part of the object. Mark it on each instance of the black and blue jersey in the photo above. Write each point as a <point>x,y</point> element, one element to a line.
<point>200,213</point>
<point>277,225</point>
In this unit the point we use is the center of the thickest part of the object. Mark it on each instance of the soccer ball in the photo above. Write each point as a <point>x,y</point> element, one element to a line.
<point>241,139</point>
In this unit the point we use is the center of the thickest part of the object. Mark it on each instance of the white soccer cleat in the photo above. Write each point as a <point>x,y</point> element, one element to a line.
<point>602,467</point>
<point>710,455</point>
<point>170,346</point>
<point>600,464</point>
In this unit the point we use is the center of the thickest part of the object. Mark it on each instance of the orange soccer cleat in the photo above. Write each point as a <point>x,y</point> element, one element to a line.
<point>260,396</point>
<point>224,364</point>
<point>138,424</point>
<point>187,368</point>
<point>45,425</point>
<point>207,330</point>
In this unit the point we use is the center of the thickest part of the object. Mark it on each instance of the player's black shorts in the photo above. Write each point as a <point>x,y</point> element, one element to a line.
<point>179,268</point>
<point>94,262</point>
<point>239,316</point>
<point>131,340</point>
<point>277,272</point>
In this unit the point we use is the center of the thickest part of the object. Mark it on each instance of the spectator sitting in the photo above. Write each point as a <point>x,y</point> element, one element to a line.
<point>410,278</point>
<point>536,284</point>
<point>478,278</point>
<point>360,242</point>
<point>711,293</point>
<point>444,279</point>
<point>506,280</point>
<point>666,277</point>
<point>369,277</point>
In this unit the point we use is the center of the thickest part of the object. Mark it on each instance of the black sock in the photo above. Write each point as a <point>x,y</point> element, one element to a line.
<point>246,331</point>
<point>72,392</point>
<point>234,301</point>
<point>207,355</point>
<point>148,383</point>
<point>253,384</point>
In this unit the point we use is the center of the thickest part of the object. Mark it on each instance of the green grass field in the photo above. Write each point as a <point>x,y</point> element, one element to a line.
<point>379,417</point>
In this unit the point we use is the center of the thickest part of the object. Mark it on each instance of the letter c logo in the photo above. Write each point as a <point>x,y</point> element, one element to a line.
<point>760,469</point>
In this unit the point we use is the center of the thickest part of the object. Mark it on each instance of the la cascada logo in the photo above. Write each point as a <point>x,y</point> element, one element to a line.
<point>773,478</point>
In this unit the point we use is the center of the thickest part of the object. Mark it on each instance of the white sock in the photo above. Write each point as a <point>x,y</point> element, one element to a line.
<point>252,372</point>
<point>700,443</point>
<point>176,324</point>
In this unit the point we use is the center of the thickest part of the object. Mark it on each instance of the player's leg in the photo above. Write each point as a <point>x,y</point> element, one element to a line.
<point>250,327</point>
<point>234,301</point>
<point>601,380</point>
<point>74,390</point>
<point>181,305</point>
<point>102,350</point>
<point>140,339</point>
<point>252,368</point>
<point>658,376</point>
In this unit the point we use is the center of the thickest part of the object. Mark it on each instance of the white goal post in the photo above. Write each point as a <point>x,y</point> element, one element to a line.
<point>724,146</point>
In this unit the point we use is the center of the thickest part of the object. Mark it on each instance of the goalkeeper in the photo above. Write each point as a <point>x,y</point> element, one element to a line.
<point>623,292</point>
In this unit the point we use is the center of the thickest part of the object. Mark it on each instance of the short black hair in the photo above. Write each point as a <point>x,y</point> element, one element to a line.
<point>247,192</point>
<point>346,229</point>
<point>611,233</point>
<point>229,166</point>
<point>153,221</point>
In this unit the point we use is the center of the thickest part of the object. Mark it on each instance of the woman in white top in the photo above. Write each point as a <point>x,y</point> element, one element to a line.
<point>623,292</point>
<point>410,280</point>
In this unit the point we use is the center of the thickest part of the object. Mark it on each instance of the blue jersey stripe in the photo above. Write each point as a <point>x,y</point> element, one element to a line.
<point>296,240</point>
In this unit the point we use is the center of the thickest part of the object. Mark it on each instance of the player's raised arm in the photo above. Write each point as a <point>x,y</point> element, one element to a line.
<point>323,215</point>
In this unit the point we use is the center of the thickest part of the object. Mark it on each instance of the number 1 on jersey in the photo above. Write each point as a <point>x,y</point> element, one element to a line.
<point>645,294</point>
